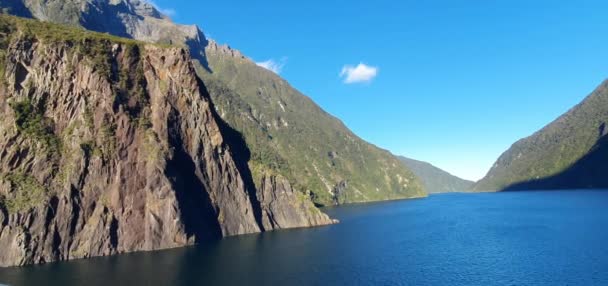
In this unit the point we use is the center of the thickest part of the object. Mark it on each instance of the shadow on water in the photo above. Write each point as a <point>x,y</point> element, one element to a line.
<point>589,172</point>
<point>494,239</point>
<point>251,257</point>
<point>152,268</point>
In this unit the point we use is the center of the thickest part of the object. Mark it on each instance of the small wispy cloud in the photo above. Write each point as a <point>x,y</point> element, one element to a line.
<point>359,73</point>
<point>167,11</point>
<point>273,65</point>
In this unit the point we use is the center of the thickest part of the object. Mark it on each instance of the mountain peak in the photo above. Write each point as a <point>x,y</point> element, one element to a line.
<point>137,7</point>
<point>225,49</point>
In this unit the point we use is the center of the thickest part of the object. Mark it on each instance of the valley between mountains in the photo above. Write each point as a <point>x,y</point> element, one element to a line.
<point>122,131</point>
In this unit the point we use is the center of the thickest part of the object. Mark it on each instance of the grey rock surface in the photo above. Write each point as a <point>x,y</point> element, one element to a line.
<point>112,184</point>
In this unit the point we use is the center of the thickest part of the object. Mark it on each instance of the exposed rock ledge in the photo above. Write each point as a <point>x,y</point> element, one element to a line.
<point>283,207</point>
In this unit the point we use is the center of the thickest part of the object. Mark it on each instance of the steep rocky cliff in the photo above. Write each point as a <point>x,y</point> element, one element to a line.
<point>288,135</point>
<point>110,146</point>
<point>282,206</point>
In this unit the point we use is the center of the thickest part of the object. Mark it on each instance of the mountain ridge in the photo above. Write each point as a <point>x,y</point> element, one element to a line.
<point>554,149</point>
<point>339,167</point>
<point>435,179</point>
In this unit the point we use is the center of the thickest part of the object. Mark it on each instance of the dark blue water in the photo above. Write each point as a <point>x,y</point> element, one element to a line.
<point>528,238</point>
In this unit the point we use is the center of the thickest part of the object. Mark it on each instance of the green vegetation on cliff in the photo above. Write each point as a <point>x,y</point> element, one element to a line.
<point>47,31</point>
<point>30,120</point>
<point>117,165</point>
<point>28,111</point>
<point>28,192</point>
<point>288,133</point>
<point>128,82</point>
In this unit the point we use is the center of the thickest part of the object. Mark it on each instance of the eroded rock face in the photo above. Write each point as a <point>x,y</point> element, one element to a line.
<point>109,146</point>
<point>97,161</point>
<point>283,207</point>
<point>254,101</point>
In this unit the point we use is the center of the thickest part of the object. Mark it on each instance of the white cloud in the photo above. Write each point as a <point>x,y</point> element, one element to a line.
<point>167,11</point>
<point>273,65</point>
<point>359,73</point>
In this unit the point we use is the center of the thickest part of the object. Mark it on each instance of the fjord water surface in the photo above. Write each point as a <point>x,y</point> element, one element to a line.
<point>523,238</point>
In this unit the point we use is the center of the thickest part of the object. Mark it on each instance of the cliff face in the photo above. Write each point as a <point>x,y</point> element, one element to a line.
<point>282,206</point>
<point>287,133</point>
<point>112,146</point>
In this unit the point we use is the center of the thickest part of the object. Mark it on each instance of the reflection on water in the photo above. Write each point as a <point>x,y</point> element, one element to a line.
<point>236,260</point>
<point>530,238</point>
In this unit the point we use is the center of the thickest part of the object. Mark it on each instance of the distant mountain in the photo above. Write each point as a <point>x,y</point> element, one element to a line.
<point>288,136</point>
<point>568,153</point>
<point>434,179</point>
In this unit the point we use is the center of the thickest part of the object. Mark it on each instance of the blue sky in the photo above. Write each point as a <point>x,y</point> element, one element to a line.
<point>451,82</point>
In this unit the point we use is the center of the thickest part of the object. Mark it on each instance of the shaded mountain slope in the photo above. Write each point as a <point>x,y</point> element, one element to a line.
<point>567,152</point>
<point>589,172</point>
